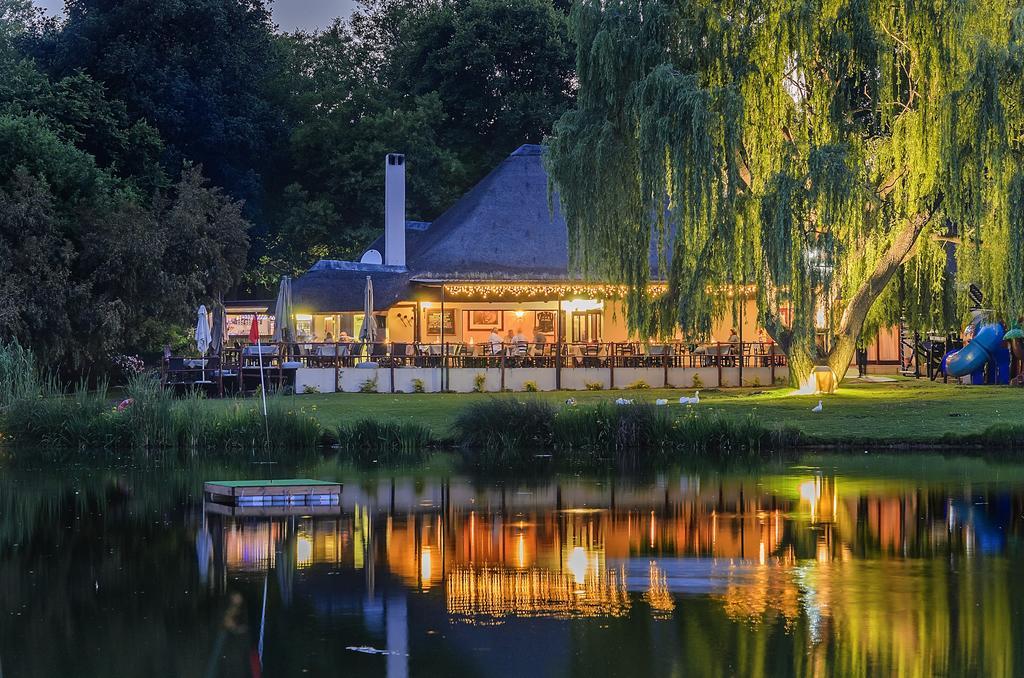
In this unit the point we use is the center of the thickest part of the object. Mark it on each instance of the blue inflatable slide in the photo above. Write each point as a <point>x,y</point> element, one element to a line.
<point>986,347</point>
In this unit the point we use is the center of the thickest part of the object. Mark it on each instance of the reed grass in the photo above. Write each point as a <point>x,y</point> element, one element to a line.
<point>49,415</point>
<point>609,430</point>
<point>505,424</point>
<point>374,440</point>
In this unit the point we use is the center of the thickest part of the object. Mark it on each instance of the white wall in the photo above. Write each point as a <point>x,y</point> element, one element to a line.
<point>463,380</point>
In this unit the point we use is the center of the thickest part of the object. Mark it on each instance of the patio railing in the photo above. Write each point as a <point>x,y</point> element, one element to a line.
<point>237,364</point>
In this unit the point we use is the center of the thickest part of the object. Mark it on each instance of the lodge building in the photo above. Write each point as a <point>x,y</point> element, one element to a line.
<point>498,259</point>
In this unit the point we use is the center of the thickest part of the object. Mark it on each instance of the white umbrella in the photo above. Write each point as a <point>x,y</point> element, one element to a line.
<point>368,334</point>
<point>203,337</point>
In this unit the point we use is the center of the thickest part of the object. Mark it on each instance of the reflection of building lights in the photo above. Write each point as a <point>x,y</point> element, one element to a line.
<point>657,594</point>
<point>495,592</point>
<point>425,567</point>
<point>521,551</point>
<point>823,554</point>
<point>577,564</point>
<point>303,550</point>
<point>761,553</point>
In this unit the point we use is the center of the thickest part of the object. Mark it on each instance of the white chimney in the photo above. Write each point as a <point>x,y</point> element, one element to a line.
<point>394,209</point>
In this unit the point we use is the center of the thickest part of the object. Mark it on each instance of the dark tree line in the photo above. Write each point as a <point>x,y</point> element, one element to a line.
<point>155,154</point>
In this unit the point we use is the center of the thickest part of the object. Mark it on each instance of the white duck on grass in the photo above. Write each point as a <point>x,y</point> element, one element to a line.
<point>686,400</point>
<point>817,408</point>
<point>623,401</point>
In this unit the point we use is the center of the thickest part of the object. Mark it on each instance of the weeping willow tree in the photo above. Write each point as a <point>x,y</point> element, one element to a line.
<point>837,154</point>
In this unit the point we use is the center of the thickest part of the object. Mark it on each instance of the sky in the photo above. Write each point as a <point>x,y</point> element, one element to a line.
<point>288,14</point>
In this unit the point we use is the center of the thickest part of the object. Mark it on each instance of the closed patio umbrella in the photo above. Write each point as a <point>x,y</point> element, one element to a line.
<point>203,337</point>
<point>368,334</point>
<point>220,323</point>
<point>284,314</point>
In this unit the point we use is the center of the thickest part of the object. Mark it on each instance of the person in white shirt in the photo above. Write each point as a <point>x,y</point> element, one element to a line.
<point>519,338</point>
<point>495,341</point>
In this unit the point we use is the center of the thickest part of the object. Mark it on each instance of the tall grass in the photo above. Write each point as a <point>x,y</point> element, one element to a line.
<point>608,430</point>
<point>46,414</point>
<point>373,440</point>
<point>505,424</point>
<point>19,374</point>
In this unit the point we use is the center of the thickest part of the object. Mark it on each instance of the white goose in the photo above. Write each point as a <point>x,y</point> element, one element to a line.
<point>571,402</point>
<point>695,400</point>
<point>661,401</point>
<point>816,408</point>
<point>623,401</point>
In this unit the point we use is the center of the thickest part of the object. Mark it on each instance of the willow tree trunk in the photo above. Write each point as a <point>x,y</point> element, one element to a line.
<point>802,358</point>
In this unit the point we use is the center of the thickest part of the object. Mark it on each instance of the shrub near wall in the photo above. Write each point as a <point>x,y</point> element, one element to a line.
<point>530,425</point>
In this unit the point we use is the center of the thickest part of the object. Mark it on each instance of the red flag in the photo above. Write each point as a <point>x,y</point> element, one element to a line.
<point>254,330</point>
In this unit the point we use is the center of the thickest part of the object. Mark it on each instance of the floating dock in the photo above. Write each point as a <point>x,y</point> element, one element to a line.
<point>296,492</point>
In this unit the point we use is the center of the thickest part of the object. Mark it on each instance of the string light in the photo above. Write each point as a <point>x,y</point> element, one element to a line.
<point>555,290</point>
<point>523,290</point>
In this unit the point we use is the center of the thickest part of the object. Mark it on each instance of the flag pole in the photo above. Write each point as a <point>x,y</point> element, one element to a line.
<point>254,334</point>
<point>263,387</point>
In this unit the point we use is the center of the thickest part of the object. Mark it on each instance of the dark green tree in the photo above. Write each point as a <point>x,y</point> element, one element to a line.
<point>820,150</point>
<point>200,72</point>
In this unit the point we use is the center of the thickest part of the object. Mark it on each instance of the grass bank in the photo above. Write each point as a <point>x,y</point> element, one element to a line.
<point>899,413</point>
<point>35,410</point>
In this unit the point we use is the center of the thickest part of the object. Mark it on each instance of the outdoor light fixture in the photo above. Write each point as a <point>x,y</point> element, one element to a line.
<point>426,304</point>
<point>520,314</point>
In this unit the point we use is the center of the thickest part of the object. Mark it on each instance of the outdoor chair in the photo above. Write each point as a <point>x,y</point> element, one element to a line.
<point>175,370</point>
<point>379,353</point>
<point>400,354</point>
<point>520,354</point>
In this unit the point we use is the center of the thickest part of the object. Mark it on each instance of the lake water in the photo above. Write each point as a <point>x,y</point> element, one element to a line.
<point>833,565</point>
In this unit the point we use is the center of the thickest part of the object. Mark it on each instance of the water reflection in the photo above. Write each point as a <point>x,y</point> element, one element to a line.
<point>830,569</point>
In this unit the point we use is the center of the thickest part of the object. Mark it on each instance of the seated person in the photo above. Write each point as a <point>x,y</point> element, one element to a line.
<point>494,339</point>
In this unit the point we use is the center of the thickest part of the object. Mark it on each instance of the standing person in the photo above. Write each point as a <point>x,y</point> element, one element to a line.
<point>734,342</point>
<point>862,358</point>
<point>539,339</point>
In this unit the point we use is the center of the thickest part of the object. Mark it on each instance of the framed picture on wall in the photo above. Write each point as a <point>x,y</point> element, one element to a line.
<point>434,323</point>
<point>546,322</point>
<point>485,320</point>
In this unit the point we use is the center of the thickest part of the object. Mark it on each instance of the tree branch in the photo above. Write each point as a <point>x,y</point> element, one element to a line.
<point>859,305</point>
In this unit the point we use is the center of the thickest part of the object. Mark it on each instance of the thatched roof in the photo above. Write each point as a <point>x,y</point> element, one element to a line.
<point>503,229</point>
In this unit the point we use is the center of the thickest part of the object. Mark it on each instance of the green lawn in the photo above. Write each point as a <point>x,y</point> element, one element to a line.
<point>907,410</point>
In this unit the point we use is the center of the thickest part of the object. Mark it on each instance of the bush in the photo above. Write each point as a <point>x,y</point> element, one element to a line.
<point>480,383</point>
<point>310,389</point>
<point>368,385</point>
<point>594,386</point>
<point>505,424</point>
<point>418,386</point>
<point>530,386</point>
<point>697,382</point>
<point>369,439</point>
<point>637,385</point>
